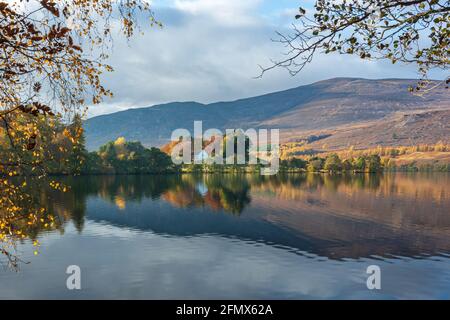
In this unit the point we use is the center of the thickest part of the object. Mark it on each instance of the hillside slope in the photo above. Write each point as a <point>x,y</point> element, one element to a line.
<point>400,129</point>
<point>322,106</point>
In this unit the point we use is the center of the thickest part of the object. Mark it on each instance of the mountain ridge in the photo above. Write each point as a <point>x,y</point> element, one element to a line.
<point>323,105</point>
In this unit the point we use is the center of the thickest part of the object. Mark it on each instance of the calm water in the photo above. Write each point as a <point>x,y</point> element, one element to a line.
<point>252,237</point>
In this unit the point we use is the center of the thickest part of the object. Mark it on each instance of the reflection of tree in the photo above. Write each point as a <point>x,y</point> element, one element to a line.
<point>231,191</point>
<point>183,195</point>
<point>24,217</point>
<point>233,201</point>
<point>50,209</point>
<point>38,207</point>
<point>44,71</point>
<point>223,192</point>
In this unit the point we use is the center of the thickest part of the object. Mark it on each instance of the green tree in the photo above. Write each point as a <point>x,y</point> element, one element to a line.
<point>94,164</point>
<point>359,164</point>
<point>297,163</point>
<point>373,163</point>
<point>158,161</point>
<point>347,165</point>
<point>78,154</point>
<point>122,157</point>
<point>315,164</point>
<point>333,163</point>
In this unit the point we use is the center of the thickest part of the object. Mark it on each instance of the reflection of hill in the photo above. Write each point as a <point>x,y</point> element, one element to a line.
<point>399,214</point>
<point>354,237</point>
<point>398,201</point>
<point>163,218</point>
<point>333,216</point>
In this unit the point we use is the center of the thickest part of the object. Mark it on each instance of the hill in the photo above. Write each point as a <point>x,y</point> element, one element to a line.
<point>398,129</point>
<point>340,107</point>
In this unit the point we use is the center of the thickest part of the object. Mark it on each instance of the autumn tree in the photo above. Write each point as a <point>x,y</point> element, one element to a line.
<point>315,164</point>
<point>77,153</point>
<point>122,157</point>
<point>333,163</point>
<point>52,55</point>
<point>359,164</point>
<point>347,165</point>
<point>406,31</point>
<point>297,163</point>
<point>373,163</point>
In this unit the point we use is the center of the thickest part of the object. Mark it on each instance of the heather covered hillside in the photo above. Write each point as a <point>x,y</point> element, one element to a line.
<point>351,111</point>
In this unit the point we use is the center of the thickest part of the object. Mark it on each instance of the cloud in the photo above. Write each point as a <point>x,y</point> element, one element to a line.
<point>209,50</point>
<point>231,13</point>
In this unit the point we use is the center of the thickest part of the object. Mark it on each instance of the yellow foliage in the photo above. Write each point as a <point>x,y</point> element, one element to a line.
<point>44,53</point>
<point>120,141</point>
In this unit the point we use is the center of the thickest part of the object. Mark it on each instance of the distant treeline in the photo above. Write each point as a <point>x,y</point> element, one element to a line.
<point>361,163</point>
<point>123,157</point>
<point>333,163</point>
<point>394,151</point>
<point>61,154</point>
<point>391,158</point>
<point>293,149</point>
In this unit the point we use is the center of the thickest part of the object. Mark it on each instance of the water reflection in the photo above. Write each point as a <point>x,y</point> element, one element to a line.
<point>241,236</point>
<point>335,216</point>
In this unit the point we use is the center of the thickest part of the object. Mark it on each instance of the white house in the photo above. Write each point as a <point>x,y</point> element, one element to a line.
<point>201,156</point>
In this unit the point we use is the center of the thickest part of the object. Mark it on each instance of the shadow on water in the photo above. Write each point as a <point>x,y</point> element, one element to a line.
<point>334,216</point>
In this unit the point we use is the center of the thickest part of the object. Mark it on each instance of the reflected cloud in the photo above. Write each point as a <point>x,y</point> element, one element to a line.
<point>312,235</point>
<point>336,216</point>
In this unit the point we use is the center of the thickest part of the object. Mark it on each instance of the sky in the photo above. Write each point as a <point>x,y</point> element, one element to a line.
<point>210,50</point>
